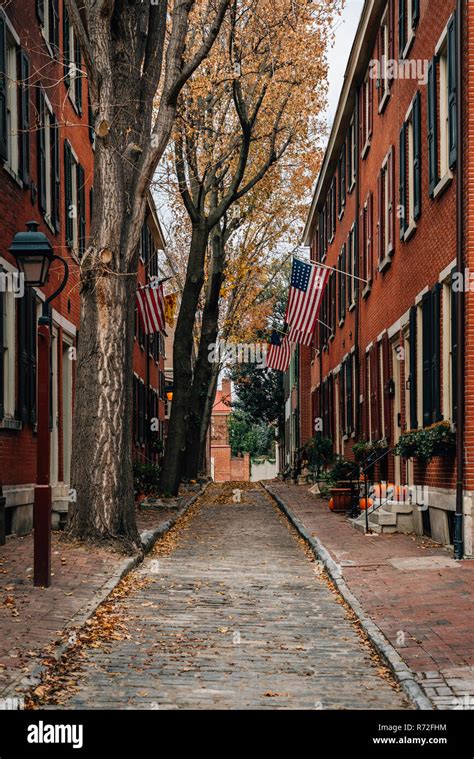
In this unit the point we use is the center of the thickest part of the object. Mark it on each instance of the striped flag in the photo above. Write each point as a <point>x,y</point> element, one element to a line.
<point>303,338</point>
<point>304,301</point>
<point>151,307</point>
<point>278,353</point>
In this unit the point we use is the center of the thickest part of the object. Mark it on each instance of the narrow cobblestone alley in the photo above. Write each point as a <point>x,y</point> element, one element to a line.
<point>235,615</point>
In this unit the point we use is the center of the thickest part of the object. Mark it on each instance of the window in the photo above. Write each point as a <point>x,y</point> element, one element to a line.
<point>48,161</point>
<point>366,115</point>
<point>351,155</point>
<point>366,246</point>
<point>14,104</point>
<point>408,16</point>
<point>331,287</point>
<point>75,201</point>
<point>72,64</point>
<point>48,16</point>
<point>442,127</point>
<point>386,216</point>
<point>410,169</point>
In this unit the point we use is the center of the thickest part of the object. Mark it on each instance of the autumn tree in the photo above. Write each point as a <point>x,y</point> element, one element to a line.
<point>245,119</point>
<point>137,57</point>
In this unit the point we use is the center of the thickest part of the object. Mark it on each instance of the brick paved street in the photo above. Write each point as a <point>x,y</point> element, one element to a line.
<point>411,588</point>
<point>235,615</point>
<point>33,618</point>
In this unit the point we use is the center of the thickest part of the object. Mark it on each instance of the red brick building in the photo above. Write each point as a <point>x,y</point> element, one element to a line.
<point>46,175</point>
<point>224,466</point>
<point>385,209</point>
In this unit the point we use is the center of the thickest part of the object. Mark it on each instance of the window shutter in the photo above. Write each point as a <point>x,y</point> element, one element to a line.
<point>91,120</point>
<point>333,301</point>
<point>454,352</point>
<point>379,216</point>
<point>343,174</point>
<point>54,15</point>
<point>365,400</point>
<point>415,12</point>
<point>391,31</point>
<point>377,393</point>
<point>417,156</point>
<point>371,107</point>
<point>344,280</point>
<point>23,358</point>
<point>401,28</point>
<point>2,351</point>
<point>40,10</point>
<point>81,209</point>
<point>78,75</point>
<point>342,398</point>
<point>378,55</point>
<point>452,80</point>
<point>387,410</point>
<point>361,118</point>
<point>427,360</point>
<point>402,181</point>
<point>349,395</point>
<point>413,367</point>
<point>32,324</point>
<point>67,50</point>
<point>390,232</point>
<point>370,223</point>
<point>372,359</point>
<point>436,352</point>
<point>41,150</point>
<point>24,116</point>
<point>68,199</point>
<point>3,91</point>
<point>432,128</point>
<point>56,173</point>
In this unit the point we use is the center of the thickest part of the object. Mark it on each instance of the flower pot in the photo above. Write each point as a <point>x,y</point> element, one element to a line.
<point>342,499</point>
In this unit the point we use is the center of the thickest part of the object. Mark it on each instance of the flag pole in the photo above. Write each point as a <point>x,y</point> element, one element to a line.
<point>333,268</point>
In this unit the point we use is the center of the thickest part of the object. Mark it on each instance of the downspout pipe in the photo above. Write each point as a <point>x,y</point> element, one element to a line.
<point>460,296</point>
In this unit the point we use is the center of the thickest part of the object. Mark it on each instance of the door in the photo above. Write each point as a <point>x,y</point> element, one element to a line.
<point>397,357</point>
<point>67,409</point>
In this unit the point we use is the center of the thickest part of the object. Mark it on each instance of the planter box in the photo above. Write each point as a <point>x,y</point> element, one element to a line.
<point>342,499</point>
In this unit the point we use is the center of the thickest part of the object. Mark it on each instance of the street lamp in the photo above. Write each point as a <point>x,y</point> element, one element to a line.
<point>169,392</point>
<point>34,255</point>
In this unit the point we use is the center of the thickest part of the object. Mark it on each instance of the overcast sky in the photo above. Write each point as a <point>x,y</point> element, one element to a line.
<point>345,28</point>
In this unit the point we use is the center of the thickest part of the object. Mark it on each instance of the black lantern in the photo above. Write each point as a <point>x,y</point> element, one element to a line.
<point>33,254</point>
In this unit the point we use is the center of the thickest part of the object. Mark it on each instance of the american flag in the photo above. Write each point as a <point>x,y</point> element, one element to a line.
<point>304,301</point>
<point>279,353</point>
<point>151,307</point>
<point>296,336</point>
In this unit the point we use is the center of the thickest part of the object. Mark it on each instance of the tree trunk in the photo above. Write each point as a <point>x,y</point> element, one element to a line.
<point>182,362</point>
<point>102,465</point>
<point>203,370</point>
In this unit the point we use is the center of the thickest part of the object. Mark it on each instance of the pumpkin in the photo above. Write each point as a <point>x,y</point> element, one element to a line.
<point>363,503</point>
<point>331,504</point>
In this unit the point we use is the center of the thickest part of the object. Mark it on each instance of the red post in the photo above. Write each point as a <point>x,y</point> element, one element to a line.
<point>43,501</point>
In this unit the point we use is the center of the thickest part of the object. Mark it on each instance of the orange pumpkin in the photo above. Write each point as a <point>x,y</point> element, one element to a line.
<point>331,504</point>
<point>363,503</point>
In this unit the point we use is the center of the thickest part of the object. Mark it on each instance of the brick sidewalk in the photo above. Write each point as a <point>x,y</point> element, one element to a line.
<point>33,618</point>
<point>419,597</point>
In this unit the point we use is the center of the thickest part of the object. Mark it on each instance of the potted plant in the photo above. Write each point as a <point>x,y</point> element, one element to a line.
<point>343,474</point>
<point>436,440</point>
<point>145,480</point>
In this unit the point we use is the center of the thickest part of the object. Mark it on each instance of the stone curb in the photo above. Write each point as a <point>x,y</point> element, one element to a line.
<point>400,669</point>
<point>32,675</point>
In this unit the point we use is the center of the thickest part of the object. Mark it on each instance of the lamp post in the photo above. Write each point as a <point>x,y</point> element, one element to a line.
<point>34,255</point>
